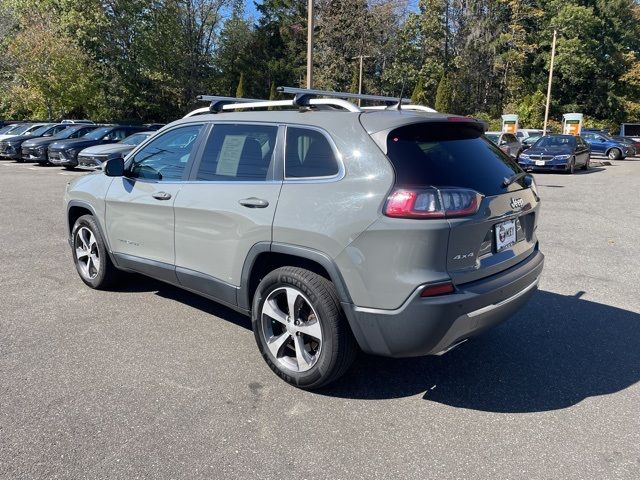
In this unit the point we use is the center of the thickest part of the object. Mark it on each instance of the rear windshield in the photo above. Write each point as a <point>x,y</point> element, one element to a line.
<point>446,155</point>
<point>632,130</point>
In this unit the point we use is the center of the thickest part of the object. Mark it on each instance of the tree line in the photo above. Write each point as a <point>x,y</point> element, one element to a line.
<point>147,60</point>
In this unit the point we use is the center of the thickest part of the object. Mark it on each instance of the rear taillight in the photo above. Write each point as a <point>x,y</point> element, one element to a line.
<point>432,203</point>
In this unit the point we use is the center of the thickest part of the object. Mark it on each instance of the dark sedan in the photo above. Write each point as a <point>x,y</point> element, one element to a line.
<point>557,152</point>
<point>35,150</point>
<point>65,152</point>
<point>12,147</point>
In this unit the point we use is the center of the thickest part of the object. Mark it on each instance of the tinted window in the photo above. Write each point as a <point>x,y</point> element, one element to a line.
<point>135,139</point>
<point>493,137</point>
<point>431,154</point>
<point>309,154</point>
<point>41,131</point>
<point>557,141</point>
<point>79,133</point>
<point>117,135</point>
<point>98,133</point>
<point>238,153</point>
<point>166,157</point>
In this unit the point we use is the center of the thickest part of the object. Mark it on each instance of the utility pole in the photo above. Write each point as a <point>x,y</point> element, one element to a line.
<point>546,110</point>
<point>361,57</point>
<point>309,44</point>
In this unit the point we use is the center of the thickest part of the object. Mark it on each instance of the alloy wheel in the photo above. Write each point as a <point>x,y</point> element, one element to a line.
<point>291,329</point>
<point>87,253</point>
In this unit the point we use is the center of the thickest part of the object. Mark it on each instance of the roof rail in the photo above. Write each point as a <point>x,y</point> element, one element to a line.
<point>304,93</point>
<point>420,108</point>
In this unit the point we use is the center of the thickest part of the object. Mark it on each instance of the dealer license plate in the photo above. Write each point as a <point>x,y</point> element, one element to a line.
<point>505,234</point>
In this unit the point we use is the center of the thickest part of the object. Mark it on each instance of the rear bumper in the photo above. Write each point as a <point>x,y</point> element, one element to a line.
<point>427,326</point>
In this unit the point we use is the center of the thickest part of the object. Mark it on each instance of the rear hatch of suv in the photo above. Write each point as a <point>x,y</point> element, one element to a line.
<point>446,169</point>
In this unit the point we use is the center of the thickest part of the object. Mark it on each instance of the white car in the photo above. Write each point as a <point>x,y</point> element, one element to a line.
<point>21,129</point>
<point>528,132</point>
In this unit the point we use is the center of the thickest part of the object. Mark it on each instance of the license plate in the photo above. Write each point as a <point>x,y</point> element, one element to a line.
<point>505,234</point>
<point>540,163</point>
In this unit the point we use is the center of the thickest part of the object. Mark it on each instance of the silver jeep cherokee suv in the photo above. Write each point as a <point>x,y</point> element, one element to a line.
<point>396,231</point>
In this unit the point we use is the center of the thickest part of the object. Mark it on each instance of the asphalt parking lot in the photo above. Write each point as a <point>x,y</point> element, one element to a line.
<point>154,382</point>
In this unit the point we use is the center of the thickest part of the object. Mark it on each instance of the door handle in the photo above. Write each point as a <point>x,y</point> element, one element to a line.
<point>161,195</point>
<point>253,202</point>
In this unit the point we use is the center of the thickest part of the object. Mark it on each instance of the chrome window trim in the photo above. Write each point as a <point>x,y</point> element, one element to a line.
<point>337,155</point>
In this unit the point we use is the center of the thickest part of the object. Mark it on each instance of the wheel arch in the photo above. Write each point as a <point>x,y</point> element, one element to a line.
<point>76,209</point>
<point>265,257</point>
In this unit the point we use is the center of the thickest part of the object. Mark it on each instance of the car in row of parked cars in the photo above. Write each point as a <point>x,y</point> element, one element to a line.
<point>535,151</point>
<point>64,143</point>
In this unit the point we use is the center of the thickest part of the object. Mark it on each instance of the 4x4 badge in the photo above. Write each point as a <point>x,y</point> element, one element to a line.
<point>517,203</point>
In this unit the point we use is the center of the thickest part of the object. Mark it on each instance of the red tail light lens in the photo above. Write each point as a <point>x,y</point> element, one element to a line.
<point>437,289</point>
<point>432,203</point>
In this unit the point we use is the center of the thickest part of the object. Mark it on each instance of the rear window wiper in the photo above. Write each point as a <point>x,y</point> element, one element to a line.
<point>513,178</point>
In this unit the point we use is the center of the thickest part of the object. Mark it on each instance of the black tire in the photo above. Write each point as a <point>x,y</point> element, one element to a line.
<point>571,168</point>
<point>106,274</point>
<point>587,164</point>
<point>614,154</point>
<point>69,167</point>
<point>338,347</point>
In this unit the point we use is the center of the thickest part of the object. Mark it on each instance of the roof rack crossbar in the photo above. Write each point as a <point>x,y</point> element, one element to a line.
<point>217,102</point>
<point>304,93</point>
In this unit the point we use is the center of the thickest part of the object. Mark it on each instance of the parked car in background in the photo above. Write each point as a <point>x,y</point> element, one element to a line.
<point>605,145</point>
<point>630,130</point>
<point>557,152</point>
<point>94,157</point>
<point>524,133</point>
<point>20,129</point>
<point>601,131</point>
<point>507,142</point>
<point>529,142</point>
<point>76,121</point>
<point>35,150</point>
<point>634,146</point>
<point>65,152</point>
<point>12,147</point>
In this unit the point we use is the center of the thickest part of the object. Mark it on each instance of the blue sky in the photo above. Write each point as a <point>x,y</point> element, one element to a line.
<point>250,8</point>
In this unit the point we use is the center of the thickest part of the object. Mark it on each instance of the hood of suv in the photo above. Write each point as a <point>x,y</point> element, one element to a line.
<point>38,141</point>
<point>108,148</point>
<point>74,143</point>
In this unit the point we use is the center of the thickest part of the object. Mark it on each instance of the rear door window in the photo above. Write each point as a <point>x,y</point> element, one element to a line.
<point>446,155</point>
<point>308,154</point>
<point>238,153</point>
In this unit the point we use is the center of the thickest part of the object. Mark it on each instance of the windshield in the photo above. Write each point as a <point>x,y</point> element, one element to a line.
<point>20,129</point>
<point>41,131</point>
<point>567,141</point>
<point>135,139</point>
<point>6,129</point>
<point>98,133</point>
<point>431,154</point>
<point>493,137</point>
<point>66,133</point>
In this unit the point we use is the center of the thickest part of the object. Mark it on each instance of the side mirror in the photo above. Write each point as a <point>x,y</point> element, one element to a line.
<point>114,167</point>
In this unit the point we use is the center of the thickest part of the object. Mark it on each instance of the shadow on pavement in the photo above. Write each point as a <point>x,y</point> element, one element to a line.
<point>558,351</point>
<point>134,283</point>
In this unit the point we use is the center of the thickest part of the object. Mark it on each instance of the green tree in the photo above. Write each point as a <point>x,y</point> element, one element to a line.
<point>418,92</point>
<point>444,95</point>
<point>240,87</point>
